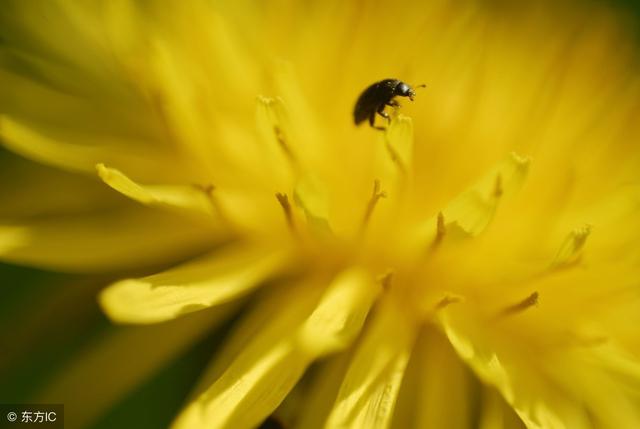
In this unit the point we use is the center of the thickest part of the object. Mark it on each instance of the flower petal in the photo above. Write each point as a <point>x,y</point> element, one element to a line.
<point>82,157</point>
<point>307,137</point>
<point>438,389</point>
<point>311,197</point>
<point>186,198</point>
<point>339,316</point>
<point>178,98</point>
<point>316,398</point>
<point>30,189</point>
<point>395,152</point>
<point>120,238</point>
<point>474,208</point>
<point>211,280</point>
<point>272,361</point>
<point>496,413</point>
<point>399,137</point>
<point>145,350</point>
<point>471,212</point>
<point>534,408</point>
<point>571,248</point>
<point>575,386</point>
<point>12,237</point>
<point>370,388</point>
<point>392,159</point>
<point>274,129</point>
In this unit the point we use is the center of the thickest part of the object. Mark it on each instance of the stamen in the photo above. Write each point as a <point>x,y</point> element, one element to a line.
<point>441,231</point>
<point>570,252</point>
<point>448,300</point>
<point>288,212</point>
<point>385,280</point>
<point>208,191</point>
<point>498,190</point>
<point>282,141</point>
<point>375,196</point>
<point>529,301</point>
<point>593,341</point>
<point>393,154</point>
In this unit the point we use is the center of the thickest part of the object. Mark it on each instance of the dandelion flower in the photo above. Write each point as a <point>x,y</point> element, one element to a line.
<point>473,265</point>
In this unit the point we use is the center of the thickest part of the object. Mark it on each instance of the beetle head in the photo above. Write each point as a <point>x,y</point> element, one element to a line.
<point>412,92</point>
<point>405,90</point>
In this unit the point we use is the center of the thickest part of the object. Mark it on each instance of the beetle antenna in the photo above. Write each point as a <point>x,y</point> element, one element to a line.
<point>422,85</point>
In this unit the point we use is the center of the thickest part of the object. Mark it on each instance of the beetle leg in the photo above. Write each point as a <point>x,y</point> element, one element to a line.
<point>384,114</point>
<point>393,103</point>
<point>372,120</point>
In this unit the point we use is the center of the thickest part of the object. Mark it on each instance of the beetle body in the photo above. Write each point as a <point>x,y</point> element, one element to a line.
<point>376,97</point>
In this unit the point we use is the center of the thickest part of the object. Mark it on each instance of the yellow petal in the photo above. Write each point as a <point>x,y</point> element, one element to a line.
<point>437,387</point>
<point>571,248</point>
<point>474,208</point>
<point>323,387</point>
<point>259,324</point>
<point>121,20</point>
<point>339,316</point>
<point>247,394</point>
<point>145,351</point>
<point>211,280</point>
<point>307,137</point>
<point>267,368</point>
<point>178,104</point>
<point>41,91</point>
<point>72,28</point>
<point>274,129</point>
<point>536,413</point>
<point>393,157</point>
<point>186,198</point>
<point>12,237</point>
<point>496,413</point>
<point>83,156</point>
<point>471,212</point>
<point>605,378</point>
<point>541,388</point>
<point>368,394</point>
<point>311,197</point>
<point>258,367</point>
<point>396,149</point>
<point>134,238</point>
<point>399,136</point>
<point>33,189</point>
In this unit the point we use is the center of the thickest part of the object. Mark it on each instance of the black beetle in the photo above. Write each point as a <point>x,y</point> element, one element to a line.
<point>379,95</point>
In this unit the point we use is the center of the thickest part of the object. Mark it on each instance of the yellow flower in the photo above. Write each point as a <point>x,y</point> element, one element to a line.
<point>493,225</point>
